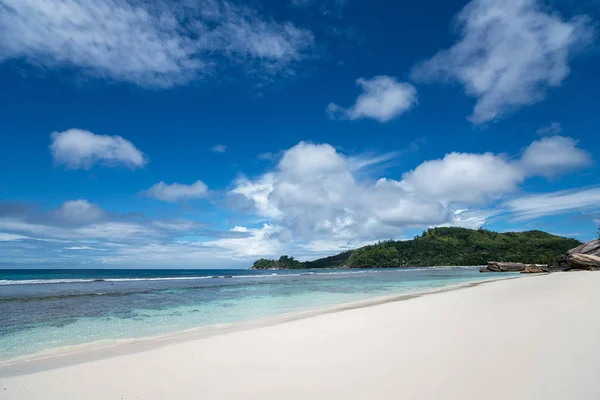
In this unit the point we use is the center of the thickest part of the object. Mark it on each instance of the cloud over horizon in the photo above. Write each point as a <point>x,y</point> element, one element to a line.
<point>316,200</point>
<point>314,192</point>
<point>100,237</point>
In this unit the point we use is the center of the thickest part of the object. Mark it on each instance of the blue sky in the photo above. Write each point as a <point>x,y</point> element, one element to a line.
<point>210,133</point>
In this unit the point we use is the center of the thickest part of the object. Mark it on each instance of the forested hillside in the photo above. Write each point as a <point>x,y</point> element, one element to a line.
<point>442,246</point>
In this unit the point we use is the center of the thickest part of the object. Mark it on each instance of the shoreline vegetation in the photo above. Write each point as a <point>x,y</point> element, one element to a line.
<point>448,246</point>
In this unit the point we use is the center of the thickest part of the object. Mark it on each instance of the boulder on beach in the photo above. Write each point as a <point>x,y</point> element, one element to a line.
<point>591,248</point>
<point>584,257</point>
<point>583,262</point>
<point>495,266</point>
<point>535,269</point>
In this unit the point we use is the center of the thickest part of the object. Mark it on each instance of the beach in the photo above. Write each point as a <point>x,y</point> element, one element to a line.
<point>528,338</point>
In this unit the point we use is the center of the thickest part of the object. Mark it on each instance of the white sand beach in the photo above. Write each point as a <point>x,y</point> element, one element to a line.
<point>530,338</point>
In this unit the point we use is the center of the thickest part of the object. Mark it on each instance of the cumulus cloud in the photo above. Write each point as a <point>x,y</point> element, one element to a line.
<point>316,193</point>
<point>155,44</point>
<point>544,204</point>
<point>316,200</point>
<point>177,191</point>
<point>220,148</point>
<point>463,177</point>
<point>79,149</point>
<point>553,155</point>
<point>383,99</point>
<point>509,53</point>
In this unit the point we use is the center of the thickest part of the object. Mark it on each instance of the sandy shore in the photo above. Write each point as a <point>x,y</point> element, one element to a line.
<point>531,338</point>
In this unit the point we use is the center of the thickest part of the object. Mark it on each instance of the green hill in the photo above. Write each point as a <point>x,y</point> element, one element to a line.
<point>442,246</point>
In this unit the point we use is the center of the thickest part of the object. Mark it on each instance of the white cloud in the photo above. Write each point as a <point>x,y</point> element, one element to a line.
<point>553,155</point>
<point>389,203</point>
<point>463,177</point>
<point>9,237</point>
<point>77,148</point>
<point>220,148</point>
<point>509,53</point>
<point>78,212</point>
<point>114,231</point>
<point>262,241</point>
<point>316,193</point>
<point>539,205</point>
<point>126,240</point>
<point>323,247</point>
<point>470,219</point>
<point>77,248</point>
<point>553,129</point>
<point>316,201</point>
<point>100,230</point>
<point>177,191</point>
<point>80,220</point>
<point>157,44</point>
<point>366,161</point>
<point>258,192</point>
<point>176,225</point>
<point>383,99</point>
<point>159,255</point>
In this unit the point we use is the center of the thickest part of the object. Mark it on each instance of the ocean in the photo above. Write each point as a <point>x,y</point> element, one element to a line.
<point>45,310</point>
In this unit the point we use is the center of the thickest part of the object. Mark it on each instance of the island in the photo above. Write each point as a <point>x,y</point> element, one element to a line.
<point>447,246</point>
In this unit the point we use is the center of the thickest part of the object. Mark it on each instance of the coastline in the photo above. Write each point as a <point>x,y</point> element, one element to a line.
<point>77,354</point>
<point>531,338</point>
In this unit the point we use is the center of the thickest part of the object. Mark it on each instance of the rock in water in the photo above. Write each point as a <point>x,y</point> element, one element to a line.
<point>583,261</point>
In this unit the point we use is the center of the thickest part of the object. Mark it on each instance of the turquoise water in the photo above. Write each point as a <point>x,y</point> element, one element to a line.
<point>48,309</point>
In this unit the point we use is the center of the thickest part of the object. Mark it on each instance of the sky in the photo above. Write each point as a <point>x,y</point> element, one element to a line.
<point>211,133</point>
